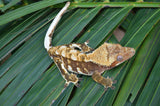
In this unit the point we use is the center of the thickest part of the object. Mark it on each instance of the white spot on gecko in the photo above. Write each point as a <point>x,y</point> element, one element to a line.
<point>73,57</point>
<point>70,68</point>
<point>79,70</point>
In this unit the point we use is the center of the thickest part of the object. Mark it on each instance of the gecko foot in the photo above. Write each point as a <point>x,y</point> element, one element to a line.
<point>72,78</point>
<point>107,82</point>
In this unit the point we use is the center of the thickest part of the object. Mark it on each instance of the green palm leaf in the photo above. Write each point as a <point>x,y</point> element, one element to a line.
<point>29,77</point>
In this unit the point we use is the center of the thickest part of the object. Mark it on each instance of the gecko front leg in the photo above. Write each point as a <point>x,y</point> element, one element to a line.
<point>106,82</point>
<point>70,78</point>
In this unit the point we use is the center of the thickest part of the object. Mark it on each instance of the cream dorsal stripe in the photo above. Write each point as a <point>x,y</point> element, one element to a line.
<point>48,37</point>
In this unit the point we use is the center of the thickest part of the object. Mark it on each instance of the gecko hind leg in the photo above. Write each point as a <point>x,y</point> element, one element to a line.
<point>106,82</point>
<point>70,78</point>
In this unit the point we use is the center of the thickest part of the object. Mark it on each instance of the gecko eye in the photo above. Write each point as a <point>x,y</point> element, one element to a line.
<point>119,58</point>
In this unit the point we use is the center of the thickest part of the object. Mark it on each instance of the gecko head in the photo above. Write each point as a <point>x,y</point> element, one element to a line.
<point>111,55</point>
<point>118,54</point>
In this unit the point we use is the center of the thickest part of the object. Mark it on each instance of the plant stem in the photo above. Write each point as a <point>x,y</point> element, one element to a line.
<point>115,4</point>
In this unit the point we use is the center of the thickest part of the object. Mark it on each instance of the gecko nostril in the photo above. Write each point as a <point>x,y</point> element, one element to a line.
<point>133,51</point>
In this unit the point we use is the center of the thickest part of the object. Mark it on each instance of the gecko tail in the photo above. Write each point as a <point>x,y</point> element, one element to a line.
<point>48,37</point>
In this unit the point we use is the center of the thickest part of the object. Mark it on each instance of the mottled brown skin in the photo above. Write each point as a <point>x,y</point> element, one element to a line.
<point>81,59</point>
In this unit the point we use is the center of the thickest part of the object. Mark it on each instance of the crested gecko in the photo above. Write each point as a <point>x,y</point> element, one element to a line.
<point>81,59</point>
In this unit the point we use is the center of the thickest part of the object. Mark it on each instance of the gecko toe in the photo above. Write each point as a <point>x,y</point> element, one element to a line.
<point>66,84</point>
<point>105,89</point>
<point>77,85</point>
<point>115,81</point>
<point>80,79</point>
<point>112,87</point>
